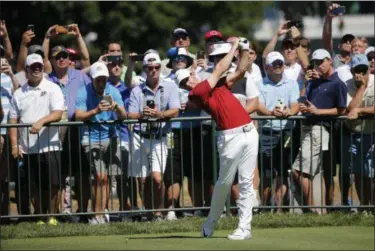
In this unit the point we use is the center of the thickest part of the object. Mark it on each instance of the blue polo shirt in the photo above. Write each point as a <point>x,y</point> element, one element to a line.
<point>286,90</point>
<point>123,129</point>
<point>87,100</point>
<point>76,79</point>
<point>140,94</point>
<point>326,94</point>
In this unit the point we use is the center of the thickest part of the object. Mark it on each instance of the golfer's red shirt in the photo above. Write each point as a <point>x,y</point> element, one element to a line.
<point>224,108</point>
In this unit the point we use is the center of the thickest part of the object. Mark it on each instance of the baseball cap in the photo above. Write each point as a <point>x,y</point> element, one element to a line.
<point>35,49</point>
<point>58,49</point>
<point>346,38</point>
<point>369,49</point>
<point>181,75</point>
<point>359,59</point>
<point>320,54</point>
<point>180,31</point>
<point>212,33</point>
<point>99,69</point>
<point>33,59</point>
<point>178,51</point>
<point>151,51</point>
<point>151,58</point>
<point>273,56</point>
<point>221,48</point>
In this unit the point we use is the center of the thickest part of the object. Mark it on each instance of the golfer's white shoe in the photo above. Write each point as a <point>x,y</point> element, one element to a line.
<point>207,229</point>
<point>240,234</point>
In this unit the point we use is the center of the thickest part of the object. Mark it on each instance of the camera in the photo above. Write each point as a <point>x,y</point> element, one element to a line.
<point>30,27</point>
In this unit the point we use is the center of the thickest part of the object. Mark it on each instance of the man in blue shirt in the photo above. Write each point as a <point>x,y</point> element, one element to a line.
<point>278,97</point>
<point>126,187</point>
<point>326,96</point>
<point>70,80</point>
<point>100,102</point>
<point>158,99</point>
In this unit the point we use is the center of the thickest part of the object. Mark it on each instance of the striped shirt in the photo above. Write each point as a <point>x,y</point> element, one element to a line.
<point>6,90</point>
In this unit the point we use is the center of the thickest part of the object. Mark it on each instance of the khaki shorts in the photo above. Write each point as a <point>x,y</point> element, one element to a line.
<point>314,140</point>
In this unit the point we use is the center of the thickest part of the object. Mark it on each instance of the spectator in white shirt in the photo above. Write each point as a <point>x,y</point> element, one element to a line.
<point>39,102</point>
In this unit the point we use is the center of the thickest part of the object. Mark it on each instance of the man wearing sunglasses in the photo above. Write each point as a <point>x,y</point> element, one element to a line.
<point>158,99</point>
<point>358,142</point>
<point>69,80</point>
<point>278,97</point>
<point>370,54</point>
<point>326,95</point>
<point>180,38</point>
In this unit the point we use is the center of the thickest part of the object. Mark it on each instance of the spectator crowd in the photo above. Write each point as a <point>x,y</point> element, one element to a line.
<point>145,163</point>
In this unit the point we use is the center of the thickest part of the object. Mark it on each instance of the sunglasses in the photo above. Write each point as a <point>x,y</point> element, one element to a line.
<point>178,37</point>
<point>276,63</point>
<point>213,40</point>
<point>179,58</point>
<point>62,56</point>
<point>360,69</point>
<point>36,66</point>
<point>151,68</point>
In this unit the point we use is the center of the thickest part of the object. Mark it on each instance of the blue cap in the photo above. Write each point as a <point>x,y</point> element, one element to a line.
<point>359,59</point>
<point>172,52</point>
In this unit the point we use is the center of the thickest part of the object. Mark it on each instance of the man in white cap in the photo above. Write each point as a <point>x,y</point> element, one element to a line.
<point>237,137</point>
<point>100,101</point>
<point>158,99</point>
<point>326,95</point>
<point>38,102</point>
<point>278,97</point>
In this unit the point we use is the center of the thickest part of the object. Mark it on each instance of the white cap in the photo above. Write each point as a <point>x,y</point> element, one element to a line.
<point>181,75</point>
<point>99,69</point>
<point>33,58</point>
<point>221,48</point>
<point>151,58</point>
<point>273,56</point>
<point>369,49</point>
<point>320,54</point>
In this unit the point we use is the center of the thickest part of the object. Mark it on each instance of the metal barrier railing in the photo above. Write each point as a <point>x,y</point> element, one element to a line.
<point>42,185</point>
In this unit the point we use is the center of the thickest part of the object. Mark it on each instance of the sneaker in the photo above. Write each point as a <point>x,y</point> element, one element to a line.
<point>240,234</point>
<point>40,222</point>
<point>158,218</point>
<point>97,221</point>
<point>171,216</point>
<point>52,221</point>
<point>207,229</point>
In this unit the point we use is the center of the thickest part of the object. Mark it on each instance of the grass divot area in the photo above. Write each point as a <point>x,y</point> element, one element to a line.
<point>189,224</point>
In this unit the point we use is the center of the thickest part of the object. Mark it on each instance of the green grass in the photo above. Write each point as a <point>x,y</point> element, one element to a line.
<point>318,238</point>
<point>31,230</point>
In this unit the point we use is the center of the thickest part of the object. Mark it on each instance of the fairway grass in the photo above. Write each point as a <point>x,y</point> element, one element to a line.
<point>316,238</point>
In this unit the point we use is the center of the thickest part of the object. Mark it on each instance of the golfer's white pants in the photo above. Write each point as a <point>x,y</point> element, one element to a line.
<point>238,151</point>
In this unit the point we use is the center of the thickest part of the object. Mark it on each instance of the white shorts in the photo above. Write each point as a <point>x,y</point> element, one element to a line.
<point>143,151</point>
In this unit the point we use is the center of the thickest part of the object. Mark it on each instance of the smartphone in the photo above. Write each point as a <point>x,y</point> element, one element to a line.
<point>138,57</point>
<point>30,27</point>
<point>200,55</point>
<point>4,61</point>
<point>150,103</point>
<point>107,98</point>
<point>114,58</point>
<point>62,29</point>
<point>297,24</point>
<point>302,100</point>
<point>310,67</point>
<point>338,11</point>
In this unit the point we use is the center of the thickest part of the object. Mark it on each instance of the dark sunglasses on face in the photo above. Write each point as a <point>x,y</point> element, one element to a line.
<point>179,58</point>
<point>178,37</point>
<point>276,63</point>
<point>360,69</point>
<point>151,68</point>
<point>36,66</point>
<point>213,40</point>
<point>62,56</point>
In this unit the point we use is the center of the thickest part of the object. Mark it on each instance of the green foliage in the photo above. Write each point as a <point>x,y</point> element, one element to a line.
<point>138,25</point>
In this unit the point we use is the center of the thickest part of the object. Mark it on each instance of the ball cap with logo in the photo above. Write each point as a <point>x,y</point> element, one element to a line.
<point>57,50</point>
<point>33,59</point>
<point>99,69</point>
<point>213,33</point>
<point>151,58</point>
<point>180,31</point>
<point>359,59</point>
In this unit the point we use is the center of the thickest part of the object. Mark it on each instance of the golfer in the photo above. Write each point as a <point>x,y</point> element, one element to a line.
<point>237,138</point>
